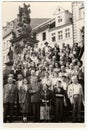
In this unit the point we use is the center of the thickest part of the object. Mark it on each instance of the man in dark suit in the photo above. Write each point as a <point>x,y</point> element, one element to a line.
<point>34,92</point>
<point>9,99</point>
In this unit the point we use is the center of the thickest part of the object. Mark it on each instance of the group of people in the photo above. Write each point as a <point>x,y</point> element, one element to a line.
<point>45,82</point>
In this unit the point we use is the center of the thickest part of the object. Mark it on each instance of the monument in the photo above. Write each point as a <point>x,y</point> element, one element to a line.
<point>23,33</point>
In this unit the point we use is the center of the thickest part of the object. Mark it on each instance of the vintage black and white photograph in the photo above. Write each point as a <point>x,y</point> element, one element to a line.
<point>43,61</point>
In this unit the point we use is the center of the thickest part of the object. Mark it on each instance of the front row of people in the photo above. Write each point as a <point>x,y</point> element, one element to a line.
<point>46,104</point>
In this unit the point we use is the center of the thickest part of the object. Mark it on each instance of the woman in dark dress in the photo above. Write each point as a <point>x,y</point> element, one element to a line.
<point>46,97</point>
<point>59,101</point>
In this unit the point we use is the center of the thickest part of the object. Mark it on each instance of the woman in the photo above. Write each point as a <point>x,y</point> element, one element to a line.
<point>46,98</point>
<point>59,101</point>
<point>24,100</point>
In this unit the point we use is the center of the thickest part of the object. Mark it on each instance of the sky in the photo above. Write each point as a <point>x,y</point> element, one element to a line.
<point>38,9</point>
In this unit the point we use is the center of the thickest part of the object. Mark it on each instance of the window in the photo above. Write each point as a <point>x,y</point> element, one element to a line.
<point>81,12</point>
<point>60,35</point>
<point>53,37</point>
<point>52,25</point>
<point>67,33</point>
<point>59,19</point>
<point>44,36</point>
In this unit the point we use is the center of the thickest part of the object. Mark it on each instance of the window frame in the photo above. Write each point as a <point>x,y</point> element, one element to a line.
<point>67,33</point>
<point>53,37</point>
<point>60,35</point>
<point>43,36</point>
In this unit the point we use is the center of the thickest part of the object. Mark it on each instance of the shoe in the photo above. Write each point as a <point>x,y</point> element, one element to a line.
<point>24,119</point>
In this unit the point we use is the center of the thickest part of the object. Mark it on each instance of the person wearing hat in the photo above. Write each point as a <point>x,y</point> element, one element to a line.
<point>9,99</point>
<point>45,49</point>
<point>59,101</point>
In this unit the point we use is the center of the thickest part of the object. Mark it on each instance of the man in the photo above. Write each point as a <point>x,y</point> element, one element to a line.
<point>40,72</point>
<point>45,49</point>
<point>51,71</point>
<point>26,71</point>
<point>71,70</point>
<point>20,81</point>
<point>63,71</point>
<point>34,91</point>
<point>75,94</point>
<point>19,84</point>
<point>9,98</point>
<point>46,80</point>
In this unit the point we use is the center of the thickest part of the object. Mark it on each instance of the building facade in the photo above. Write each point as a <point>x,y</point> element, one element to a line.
<point>6,46</point>
<point>78,24</point>
<point>7,35</point>
<point>57,30</point>
<point>78,21</point>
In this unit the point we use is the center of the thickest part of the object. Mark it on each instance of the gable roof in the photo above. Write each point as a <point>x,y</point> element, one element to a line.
<point>58,10</point>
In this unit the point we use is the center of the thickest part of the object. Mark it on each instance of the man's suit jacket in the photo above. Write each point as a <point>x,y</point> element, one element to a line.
<point>10,94</point>
<point>34,91</point>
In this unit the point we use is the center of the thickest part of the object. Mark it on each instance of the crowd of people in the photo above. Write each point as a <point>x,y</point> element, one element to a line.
<point>45,82</point>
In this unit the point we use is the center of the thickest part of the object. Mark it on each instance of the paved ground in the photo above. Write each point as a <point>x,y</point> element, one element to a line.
<point>67,118</point>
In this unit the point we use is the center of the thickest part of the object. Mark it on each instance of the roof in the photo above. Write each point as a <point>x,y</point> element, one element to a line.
<point>37,21</point>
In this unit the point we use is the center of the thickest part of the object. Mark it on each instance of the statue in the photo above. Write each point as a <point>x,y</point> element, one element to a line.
<point>23,29</point>
<point>24,14</point>
<point>10,55</point>
<point>24,20</point>
<point>26,10</point>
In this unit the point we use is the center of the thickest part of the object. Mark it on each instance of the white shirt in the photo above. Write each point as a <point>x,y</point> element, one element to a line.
<point>46,49</point>
<point>25,87</point>
<point>74,89</point>
<point>64,84</point>
<point>25,70</point>
<point>20,84</point>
